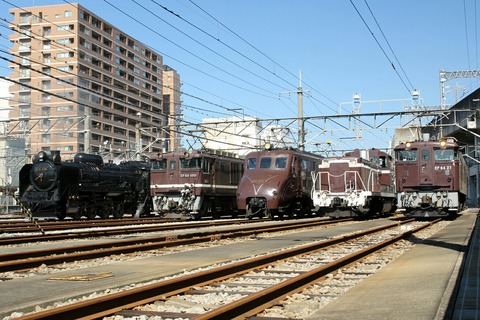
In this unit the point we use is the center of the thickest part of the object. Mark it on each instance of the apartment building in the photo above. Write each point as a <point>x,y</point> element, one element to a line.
<point>82,85</point>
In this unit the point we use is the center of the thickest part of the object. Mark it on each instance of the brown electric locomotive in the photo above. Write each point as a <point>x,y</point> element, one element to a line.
<point>431,178</point>
<point>357,184</point>
<point>194,184</point>
<point>277,183</point>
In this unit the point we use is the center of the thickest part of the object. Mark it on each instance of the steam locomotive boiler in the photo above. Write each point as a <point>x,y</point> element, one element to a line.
<point>431,178</point>
<point>358,184</point>
<point>86,186</point>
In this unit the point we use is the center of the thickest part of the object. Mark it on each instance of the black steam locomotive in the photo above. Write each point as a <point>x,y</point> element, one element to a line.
<point>86,186</point>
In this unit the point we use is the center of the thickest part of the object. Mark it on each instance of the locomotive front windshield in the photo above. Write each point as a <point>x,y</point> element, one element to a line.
<point>190,163</point>
<point>159,164</point>
<point>406,155</point>
<point>444,154</point>
<point>251,163</point>
<point>279,162</point>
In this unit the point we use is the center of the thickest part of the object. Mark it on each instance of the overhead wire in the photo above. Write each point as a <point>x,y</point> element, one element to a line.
<point>388,43</point>
<point>74,49</point>
<point>380,46</point>
<point>219,105</point>
<point>184,49</point>
<point>259,51</point>
<point>224,43</point>
<point>200,43</point>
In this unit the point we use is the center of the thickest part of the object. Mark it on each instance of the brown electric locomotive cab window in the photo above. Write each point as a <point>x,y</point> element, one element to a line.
<point>406,155</point>
<point>206,165</point>
<point>425,154</point>
<point>251,163</point>
<point>159,164</point>
<point>382,161</point>
<point>194,163</point>
<point>173,164</point>
<point>280,162</point>
<point>265,163</point>
<point>443,154</point>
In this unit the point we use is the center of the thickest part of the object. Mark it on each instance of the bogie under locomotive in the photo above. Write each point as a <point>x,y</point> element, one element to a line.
<point>356,185</point>
<point>277,182</point>
<point>431,178</point>
<point>192,185</point>
<point>84,187</point>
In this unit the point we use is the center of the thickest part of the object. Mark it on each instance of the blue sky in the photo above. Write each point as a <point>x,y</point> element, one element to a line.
<point>253,67</point>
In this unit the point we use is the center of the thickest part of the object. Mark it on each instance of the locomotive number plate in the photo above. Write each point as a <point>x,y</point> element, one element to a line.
<point>443,167</point>
<point>188,175</point>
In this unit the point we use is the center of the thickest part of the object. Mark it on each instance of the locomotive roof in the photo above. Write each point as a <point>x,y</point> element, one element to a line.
<point>285,151</point>
<point>450,142</point>
<point>194,154</point>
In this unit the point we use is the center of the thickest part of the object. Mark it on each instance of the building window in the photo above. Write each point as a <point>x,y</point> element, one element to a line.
<point>46,45</point>
<point>84,43</point>
<point>65,68</point>
<point>65,54</point>
<point>64,108</point>
<point>25,17</point>
<point>68,13</point>
<point>66,27</point>
<point>84,16</point>
<point>46,84</point>
<point>65,94</point>
<point>25,112</point>
<point>46,31</point>
<point>84,56</point>
<point>64,41</point>
<point>46,111</point>
<point>84,30</point>
<point>46,97</point>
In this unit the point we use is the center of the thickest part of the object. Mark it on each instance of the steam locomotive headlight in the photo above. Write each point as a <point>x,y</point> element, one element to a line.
<point>408,144</point>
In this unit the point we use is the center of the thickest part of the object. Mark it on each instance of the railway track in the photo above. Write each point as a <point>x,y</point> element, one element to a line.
<point>309,262</point>
<point>103,230</point>
<point>22,226</point>
<point>34,258</point>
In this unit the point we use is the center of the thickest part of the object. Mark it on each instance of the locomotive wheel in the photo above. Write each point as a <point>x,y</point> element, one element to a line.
<point>268,214</point>
<point>62,214</point>
<point>76,215</point>
<point>91,214</point>
<point>104,214</point>
<point>117,214</point>
<point>248,212</point>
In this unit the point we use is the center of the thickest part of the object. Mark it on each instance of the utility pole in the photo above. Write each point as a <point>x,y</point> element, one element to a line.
<point>87,131</point>
<point>138,141</point>
<point>301,122</point>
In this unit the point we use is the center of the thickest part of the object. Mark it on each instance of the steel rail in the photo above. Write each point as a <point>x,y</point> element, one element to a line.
<point>112,303</point>
<point>112,232</point>
<point>36,258</point>
<point>255,303</point>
